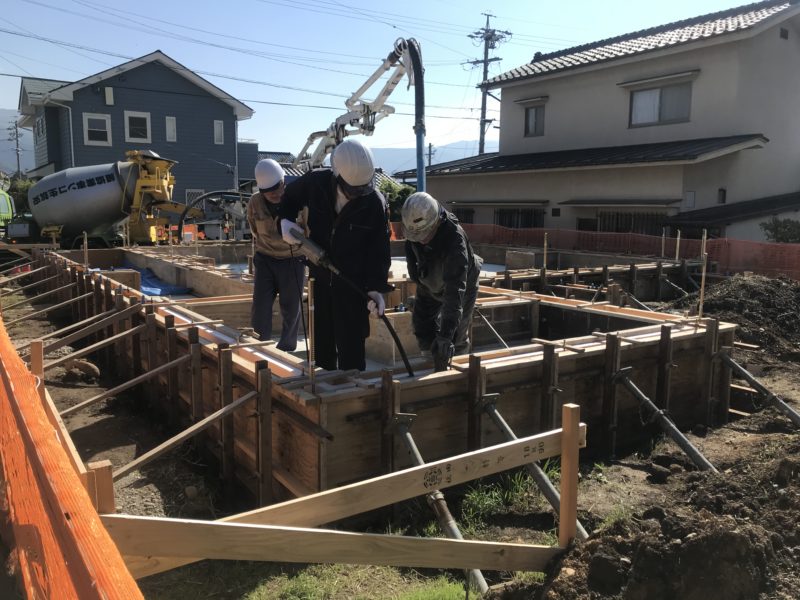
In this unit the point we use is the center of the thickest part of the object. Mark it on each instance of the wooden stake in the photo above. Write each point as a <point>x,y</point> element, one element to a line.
<point>476,390</point>
<point>196,373</point>
<point>664,368</point>
<point>568,515</point>
<point>103,486</point>
<point>225,356</point>
<point>264,411</point>
<point>550,389</point>
<point>612,365</point>
<point>37,365</point>
<point>389,406</point>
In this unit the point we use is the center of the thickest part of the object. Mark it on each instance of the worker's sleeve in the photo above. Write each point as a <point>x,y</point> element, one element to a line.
<point>379,257</point>
<point>411,263</point>
<point>454,274</point>
<point>251,217</point>
<point>295,198</point>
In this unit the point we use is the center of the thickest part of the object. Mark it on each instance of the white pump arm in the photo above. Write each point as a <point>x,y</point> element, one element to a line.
<point>362,115</point>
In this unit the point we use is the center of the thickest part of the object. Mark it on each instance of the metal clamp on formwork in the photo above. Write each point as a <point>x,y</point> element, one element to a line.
<point>663,421</point>
<point>546,487</point>
<point>768,396</point>
<point>401,424</point>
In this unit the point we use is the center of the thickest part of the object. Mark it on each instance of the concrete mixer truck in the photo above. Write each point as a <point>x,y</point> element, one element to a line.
<point>101,200</point>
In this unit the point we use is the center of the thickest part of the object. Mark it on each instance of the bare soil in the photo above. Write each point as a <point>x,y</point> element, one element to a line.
<point>660,529</point>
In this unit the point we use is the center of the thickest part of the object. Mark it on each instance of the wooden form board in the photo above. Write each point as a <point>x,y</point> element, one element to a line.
<point>332,505</point>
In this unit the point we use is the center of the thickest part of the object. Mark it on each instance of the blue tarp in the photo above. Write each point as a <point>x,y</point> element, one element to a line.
<point>153,286</point>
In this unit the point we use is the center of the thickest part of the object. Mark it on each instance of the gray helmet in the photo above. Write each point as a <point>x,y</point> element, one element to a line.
<point>421,215</point>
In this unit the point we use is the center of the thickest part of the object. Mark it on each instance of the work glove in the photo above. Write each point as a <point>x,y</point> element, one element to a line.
<point>442,350</point>
<point>376,304</point>
<point>287,227</point>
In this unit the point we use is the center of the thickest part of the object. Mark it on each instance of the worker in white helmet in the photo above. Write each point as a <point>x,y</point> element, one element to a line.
<point>347,219</point>
<point>279,271</point>
<point>446,270</point>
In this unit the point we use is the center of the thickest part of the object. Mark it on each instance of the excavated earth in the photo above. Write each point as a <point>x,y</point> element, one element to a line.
<point>660,529</point>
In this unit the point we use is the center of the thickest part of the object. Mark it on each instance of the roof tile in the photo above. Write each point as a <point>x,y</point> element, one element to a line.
<point>646,40</point>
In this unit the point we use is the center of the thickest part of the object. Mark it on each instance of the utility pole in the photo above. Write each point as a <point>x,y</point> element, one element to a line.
<point>13,136</point>
<point>490,38</point>
<point>431,152</point>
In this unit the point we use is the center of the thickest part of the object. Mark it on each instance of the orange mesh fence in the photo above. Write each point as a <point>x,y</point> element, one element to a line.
<point>62,548</point>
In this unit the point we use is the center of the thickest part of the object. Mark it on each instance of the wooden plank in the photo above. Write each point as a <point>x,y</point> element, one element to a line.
<point>612,365</point>
<point>356,498</point>
<point>548,399</point>
<point>264,434</point>
<point>225,395</point>
<point>231,541</point>
<point>103,485</point>
<point>89,349</point>
<point>476,390</point>
<point>664,368</point>
<point>182,436</point>
<point>568,509</point>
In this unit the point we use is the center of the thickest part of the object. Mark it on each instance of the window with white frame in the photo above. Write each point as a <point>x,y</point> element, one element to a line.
<point>219,132</point>
<point>96,129</point>
<point>661,105</point>
<point>137,127</point>
<point>172,129</point>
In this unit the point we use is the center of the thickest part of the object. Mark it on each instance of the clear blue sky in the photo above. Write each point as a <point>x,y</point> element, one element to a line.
<point>324,48</point>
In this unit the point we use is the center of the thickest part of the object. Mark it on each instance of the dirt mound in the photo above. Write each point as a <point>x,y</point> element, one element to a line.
<point>767,310</point>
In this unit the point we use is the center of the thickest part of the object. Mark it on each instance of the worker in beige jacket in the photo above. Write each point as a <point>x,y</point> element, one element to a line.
<point>278,269</point>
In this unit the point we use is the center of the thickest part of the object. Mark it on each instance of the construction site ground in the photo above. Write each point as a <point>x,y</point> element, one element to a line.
<point>660,529</point>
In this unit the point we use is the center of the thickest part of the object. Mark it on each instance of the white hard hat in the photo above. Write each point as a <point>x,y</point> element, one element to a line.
<point>421,215</point>
<point>352,161</point>
<point>269,175</point>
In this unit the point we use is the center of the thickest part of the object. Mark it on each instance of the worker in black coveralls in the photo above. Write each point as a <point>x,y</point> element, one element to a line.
<point>446,270</point>
<point>347,219</point>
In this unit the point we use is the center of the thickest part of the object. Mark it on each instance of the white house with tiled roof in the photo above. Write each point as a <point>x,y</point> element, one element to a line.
<point>692,124</point>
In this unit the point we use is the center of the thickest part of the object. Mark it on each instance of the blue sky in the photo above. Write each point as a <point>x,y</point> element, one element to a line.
<point>323,49</point>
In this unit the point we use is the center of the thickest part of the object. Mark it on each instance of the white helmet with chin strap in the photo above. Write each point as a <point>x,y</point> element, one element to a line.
<point>353,167</point>
<point>269,175</point>
<point>421,216</point>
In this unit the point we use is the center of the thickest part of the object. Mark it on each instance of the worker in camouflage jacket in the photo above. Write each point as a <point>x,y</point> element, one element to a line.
<point>446,271</point>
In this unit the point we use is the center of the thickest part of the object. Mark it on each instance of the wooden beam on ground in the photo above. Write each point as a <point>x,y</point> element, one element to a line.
<point>568,509</point>
<point>233,541</point>
<point>356,498</point>
<point>182,436</point>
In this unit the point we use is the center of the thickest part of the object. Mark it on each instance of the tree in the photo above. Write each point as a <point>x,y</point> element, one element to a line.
<point>395,194</point>
<point>19,192</point>
<point>786,231</point>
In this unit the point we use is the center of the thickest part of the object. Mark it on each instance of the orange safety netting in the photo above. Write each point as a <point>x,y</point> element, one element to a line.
<point>730,256</point>
<point>62,548</point>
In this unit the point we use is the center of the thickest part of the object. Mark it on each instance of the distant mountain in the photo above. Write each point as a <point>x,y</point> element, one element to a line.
<point>392,160</point>
<point>8,157</point>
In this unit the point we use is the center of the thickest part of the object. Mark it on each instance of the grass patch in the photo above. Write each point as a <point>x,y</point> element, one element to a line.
<point>620,513</point>
<point>242,580</point>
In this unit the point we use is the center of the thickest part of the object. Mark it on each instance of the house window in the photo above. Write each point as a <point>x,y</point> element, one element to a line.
<point>658,106</point>
<point>96,129</point>
<point>39,127</point>
<point>465,215</point>
<point>556,212</point>
<point>137,127</point>
<point>534,121</point>
<point>722,196</point>
<point>688,199</point>
<point>172,129</point>
<point>219,132</point>
<point>519,217</point>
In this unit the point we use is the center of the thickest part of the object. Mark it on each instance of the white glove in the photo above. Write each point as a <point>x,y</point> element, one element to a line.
<point>286,232</point>
<point>377,304</point>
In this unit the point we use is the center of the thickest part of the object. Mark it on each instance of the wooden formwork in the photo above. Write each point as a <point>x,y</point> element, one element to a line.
<point>333,434</point>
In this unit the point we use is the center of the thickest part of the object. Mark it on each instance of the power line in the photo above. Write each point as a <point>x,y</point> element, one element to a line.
<point>490,38</point>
